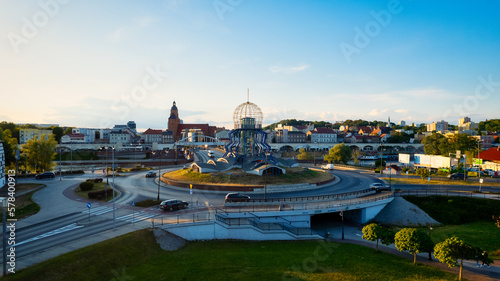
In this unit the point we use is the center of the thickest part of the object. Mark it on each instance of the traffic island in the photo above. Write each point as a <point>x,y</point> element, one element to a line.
<point>235,180</point>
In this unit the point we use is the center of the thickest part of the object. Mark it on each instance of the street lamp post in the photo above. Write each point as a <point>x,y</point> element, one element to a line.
<point>71,163</point>
<point>60,171</point>
<point>342,215</point>
<point>479,165</point>
<point>430,256</point>
<point>113,167</point>
<point>159,178</point>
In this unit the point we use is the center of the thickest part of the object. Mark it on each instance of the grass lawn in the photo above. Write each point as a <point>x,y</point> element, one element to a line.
<point>136,256</point>
<point>25,206</point>
<point>97,186</point>
<point>485,235</point>
<point>292,176</point>
<point>440,181</point>
<point>469,219</point>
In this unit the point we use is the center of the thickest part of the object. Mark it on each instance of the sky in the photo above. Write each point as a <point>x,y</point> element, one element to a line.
<point>98,63</point>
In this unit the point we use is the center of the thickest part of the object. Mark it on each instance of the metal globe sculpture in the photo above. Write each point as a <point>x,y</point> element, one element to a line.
<point>247,116</point>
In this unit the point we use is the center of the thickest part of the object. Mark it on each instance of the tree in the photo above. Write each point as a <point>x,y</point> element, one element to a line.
<point>375,232</point>
<point>40,152</point>
<point>411,240</point>
<point>355,156</point>
<point>378,161</point>
<point>58,133</point>
<point>453,249</point>
<point>497,220</point>
<point>423,173</point>
<point>372,232</point>
<point>304,155</point>
<point>10,147</point>
<point>338,153</point>
<point>434,143</point>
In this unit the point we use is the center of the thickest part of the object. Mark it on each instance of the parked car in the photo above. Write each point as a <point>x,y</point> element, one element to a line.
<point>151,174</point>
<point>45,175</point>
<point>173,204</point>
<point>457,176</point>
<point>378,186</point>
<point>96,180</point>
<point>327,167</point>
<point>236,197</point>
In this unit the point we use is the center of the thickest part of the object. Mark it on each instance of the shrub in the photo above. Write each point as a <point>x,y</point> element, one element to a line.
<point>86,186</point>
<point>101,194</point>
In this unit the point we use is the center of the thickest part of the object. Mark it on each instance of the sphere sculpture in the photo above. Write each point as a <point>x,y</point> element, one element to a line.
<point>247,116</point>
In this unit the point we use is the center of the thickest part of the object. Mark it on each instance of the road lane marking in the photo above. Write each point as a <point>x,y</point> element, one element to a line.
<point>99,210</point>
<point>51,233</point>
<point>140,216</point>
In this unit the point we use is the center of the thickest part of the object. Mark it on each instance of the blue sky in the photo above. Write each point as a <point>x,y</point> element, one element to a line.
<point>100,63</point>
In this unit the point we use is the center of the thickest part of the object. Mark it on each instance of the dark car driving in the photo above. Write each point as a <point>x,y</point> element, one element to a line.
<point>236,197</point>
<point>173,204</point>
<point>457,176</point>
<point>46,175</point>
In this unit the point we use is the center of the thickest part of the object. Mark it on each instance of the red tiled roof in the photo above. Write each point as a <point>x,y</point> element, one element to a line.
<point>492,154</point>
<point>323,131</point>
<point>205,128</point>
<point>152,132</point>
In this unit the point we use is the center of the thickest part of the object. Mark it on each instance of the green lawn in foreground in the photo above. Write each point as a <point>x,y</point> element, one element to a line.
<point>485,235</point>
<point>467,218</point>
<point>136,256</point>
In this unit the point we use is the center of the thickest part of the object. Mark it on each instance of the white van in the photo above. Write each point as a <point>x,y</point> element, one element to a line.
<point>327,167</point>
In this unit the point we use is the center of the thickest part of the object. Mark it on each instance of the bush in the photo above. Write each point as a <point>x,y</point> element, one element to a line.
<point>86,186</point>
<point>423,173</point>
<point>101,194</point>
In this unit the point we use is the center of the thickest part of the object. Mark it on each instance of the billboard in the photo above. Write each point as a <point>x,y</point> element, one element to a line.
<point>432,161</point>
<point>404,158</point>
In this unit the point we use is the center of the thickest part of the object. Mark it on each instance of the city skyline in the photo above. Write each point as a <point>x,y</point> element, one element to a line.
<point>94,64</point>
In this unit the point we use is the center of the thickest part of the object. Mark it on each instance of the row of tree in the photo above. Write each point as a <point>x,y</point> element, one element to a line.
<point>416,241</point>
<point>438,144</point>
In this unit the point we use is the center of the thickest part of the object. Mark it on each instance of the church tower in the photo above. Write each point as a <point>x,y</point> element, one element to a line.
<point>173,120</point>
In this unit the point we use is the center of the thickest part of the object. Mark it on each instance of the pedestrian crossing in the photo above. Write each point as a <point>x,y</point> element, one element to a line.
<point>136,217</point>
<point>98,210</point>
<point>51,233</point>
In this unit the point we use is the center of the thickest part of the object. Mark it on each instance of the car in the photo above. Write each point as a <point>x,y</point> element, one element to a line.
<point>457,176</point>
<point>211,154</point>
<point>96,180</point>
<point>45,175</point>
<point>378,186</point>
<point>173,204</point>
<point>151,174</point>
<point>327,167</point>
<point>236,197</point>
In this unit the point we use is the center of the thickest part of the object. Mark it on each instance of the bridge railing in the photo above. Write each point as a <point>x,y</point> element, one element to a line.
<point>303,205</point>
<point>445,192</point>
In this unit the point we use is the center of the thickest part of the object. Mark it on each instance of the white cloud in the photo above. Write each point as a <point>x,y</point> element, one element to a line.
<point>291,69</point>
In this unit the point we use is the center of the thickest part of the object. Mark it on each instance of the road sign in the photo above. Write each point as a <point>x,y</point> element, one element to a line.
<point>191,191</point>
<point>429,179</point>
<point>133,203</point>
<point>89,205</point>
<point>480,180</point>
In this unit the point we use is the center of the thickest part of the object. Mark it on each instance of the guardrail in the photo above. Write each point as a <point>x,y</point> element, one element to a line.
<point>338,196</point>
<point>304,205</point>
<point>441,192</point>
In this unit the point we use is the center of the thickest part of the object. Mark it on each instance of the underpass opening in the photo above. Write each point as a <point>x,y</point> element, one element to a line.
<point>333,221</point>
